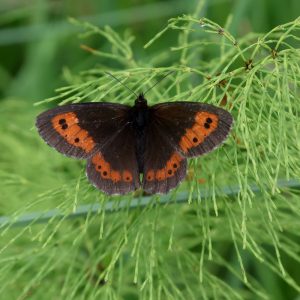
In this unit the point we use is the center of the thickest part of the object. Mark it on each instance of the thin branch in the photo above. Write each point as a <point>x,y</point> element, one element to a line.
<point>110,207</point>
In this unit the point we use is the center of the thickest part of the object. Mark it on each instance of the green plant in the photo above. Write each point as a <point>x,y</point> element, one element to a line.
<point>220,241</point>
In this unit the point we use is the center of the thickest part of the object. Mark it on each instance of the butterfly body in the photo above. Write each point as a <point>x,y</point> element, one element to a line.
<point>140,116</point>
<point>120,142</point>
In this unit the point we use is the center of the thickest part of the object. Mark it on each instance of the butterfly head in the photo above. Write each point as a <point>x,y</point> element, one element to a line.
<point>140,101</point>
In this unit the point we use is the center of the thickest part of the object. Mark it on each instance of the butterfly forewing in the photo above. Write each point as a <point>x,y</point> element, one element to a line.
<point>193,128</point>
<point>77,130</point>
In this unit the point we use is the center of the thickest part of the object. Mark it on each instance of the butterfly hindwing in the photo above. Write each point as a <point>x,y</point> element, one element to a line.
<point>164,166</point>
<point>114,168</point>
<point>193,128</point>
<point>77,130</point>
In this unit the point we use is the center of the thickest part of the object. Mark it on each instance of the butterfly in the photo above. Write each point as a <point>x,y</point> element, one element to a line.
<point>129,147</point>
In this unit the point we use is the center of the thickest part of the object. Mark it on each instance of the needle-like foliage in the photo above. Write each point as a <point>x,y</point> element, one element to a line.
<point>235,229</point>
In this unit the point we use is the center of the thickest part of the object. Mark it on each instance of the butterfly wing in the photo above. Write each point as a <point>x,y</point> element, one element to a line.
<point>177,131</point>
<point>99,132</point>
<point>164,166</point>
<point>77,130</point>
<point>114,169</point>
<point>194,128</point>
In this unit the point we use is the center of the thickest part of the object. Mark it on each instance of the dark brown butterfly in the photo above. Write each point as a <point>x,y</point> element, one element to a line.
<point>121,142</point>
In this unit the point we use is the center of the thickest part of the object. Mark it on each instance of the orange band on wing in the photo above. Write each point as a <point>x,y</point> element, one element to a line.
<point>67,126</point>
<point>169,170</point>
<point>205,124</point>
<point>106,172</point>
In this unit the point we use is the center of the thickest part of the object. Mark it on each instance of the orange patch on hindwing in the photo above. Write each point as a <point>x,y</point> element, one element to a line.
<point>205,124</point>
<point>169,170</point>
<point>66,125</point>
<point>160,174</point>
<point>127,176</point>
<point>115,176</point>
<point>150,175</point>
<point>106,172</point>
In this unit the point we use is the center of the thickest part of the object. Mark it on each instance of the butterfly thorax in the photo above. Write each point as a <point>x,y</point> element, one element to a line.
<point>140,112</point>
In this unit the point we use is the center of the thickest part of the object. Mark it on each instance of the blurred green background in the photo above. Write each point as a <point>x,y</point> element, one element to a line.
<point>37,42</point>
<point>40,51</point>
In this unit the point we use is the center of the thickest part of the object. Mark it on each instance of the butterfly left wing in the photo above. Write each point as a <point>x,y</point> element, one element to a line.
<point>100,133</point>
<point>177,131</point>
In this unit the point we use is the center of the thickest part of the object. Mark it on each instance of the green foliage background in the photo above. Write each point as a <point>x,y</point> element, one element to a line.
<point>234,231</point>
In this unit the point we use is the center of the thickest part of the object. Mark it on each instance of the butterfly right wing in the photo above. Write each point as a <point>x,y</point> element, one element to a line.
<point>164,167</point>
<point>193,128</point>
<point>177,131</point>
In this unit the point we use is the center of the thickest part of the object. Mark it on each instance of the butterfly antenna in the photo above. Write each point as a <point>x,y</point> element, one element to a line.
<point>158,82</point>
<point>128,88</point>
